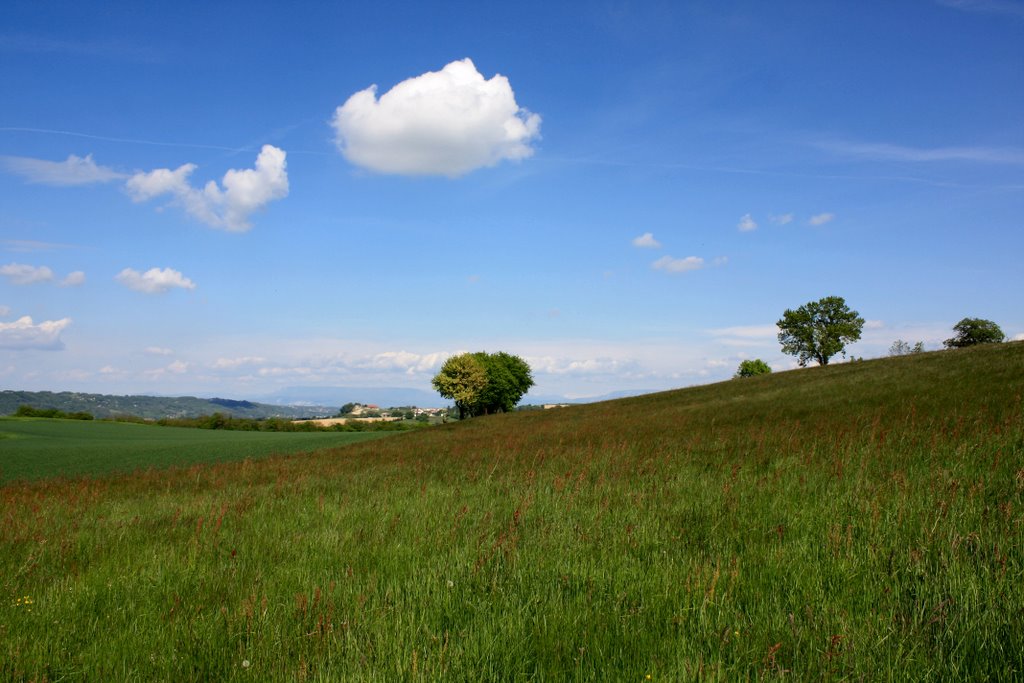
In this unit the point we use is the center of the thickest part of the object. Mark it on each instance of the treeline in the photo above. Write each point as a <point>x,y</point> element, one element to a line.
<point>29,411</point>
<point>270,424</point>
<point>230,422</point>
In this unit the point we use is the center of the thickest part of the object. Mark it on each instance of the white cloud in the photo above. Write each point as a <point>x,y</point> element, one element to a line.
<point>1018,337</point>
<point>447,122</point>
<point>24,334</point>
<point>821,218</point>
<point>646,241</point>
<point>158,351</point>
<point>73,171</point>
<point>154,280</point>
<point>719,260</point>
<point>745,335</point>
<point>746,223</point>
<point>244,191</point>
<point>232,363</point>
<point>784,219</point>
<point>22,274</point>
<point>177,367</point>
<point>73,279</point>
<point>678,265</point>
<point>5,310</point>
<point>874,324</point>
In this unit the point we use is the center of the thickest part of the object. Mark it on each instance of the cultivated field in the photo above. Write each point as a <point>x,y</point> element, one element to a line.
<point>33,448</point>
<point>858,522</point>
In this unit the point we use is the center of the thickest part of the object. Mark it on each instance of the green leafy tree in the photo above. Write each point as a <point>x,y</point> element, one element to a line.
<point>461,379</point>
<point>819,330</point>
<point>902,348</point>
<point>483,383</point>
<point>751,368</point>
<point>971,331</point>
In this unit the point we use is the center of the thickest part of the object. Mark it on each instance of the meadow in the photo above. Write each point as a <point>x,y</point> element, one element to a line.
<point>32,448</point>
<point>862,521</point>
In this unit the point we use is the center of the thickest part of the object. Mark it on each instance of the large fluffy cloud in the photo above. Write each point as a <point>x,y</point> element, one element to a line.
<point>154,280</point>
<point>24,334</point>
<point>244,191</point>
<point>446,122</point>
<point>74,170</point>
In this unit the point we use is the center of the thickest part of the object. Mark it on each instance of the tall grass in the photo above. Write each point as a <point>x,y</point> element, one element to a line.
<point>861,521</point>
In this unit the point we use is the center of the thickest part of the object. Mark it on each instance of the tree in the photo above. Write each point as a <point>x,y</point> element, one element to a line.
<point>971,331</point>
<point>819,330</point>
<point>483,383</point>
<point>750,368</point>
<point>462,378</point>
<point>902,348</point>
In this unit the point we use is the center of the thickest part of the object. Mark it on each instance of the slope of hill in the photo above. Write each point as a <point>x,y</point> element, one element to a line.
<point>150,407</point>
<point>856,522</point>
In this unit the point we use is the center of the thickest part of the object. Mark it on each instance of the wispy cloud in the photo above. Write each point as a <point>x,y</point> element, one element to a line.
<point>154,280</point>
<point>646,241</point>
<point>746,223</point>
<point>446,122</point>
<point>1006,7</point>
<point>159,351</point>
<point>23,274</point>
<point>881,151</point>
<point>74,170</point>
<point>783,219</point>
<point>821,218</point>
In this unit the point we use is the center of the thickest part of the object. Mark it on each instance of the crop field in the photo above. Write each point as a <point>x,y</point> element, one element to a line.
<point>33,448</point>
<point>862,521</point>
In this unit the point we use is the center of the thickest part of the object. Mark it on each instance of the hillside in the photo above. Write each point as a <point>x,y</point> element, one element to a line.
<point>861,521</point>
<point>151,407</point>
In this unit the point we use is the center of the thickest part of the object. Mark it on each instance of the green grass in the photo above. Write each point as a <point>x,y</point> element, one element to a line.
<point>35,448</point>
<point>857,522</point>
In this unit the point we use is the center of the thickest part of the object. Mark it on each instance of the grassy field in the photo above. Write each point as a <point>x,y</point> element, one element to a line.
<point>33,448</point>
<point>858,522</point>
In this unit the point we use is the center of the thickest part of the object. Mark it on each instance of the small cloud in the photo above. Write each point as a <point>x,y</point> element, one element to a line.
<point>22,274</point>
<point>158,351</point>
<point>5,310</point>
<point>719,260</point>
<point>821,218</point>
<point>177,367</point>
<point>1018,337</point>
<point>881,151</point>
<point>646,241</point>
<point>244,191</point>
<point>23,334</point>
<point>678,265</point>
<point>154,280</point>
<point>109,370</point>
<point>784,219</point>
<point>231,363</point>
<point>746,223</point>
<point>874,324</point>
<point>447,122</point>
<point>73,171</point>
<point>73,279</point>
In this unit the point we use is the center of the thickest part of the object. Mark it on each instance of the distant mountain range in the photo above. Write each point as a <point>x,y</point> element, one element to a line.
<point>291,402</point>
<point>153,407</point>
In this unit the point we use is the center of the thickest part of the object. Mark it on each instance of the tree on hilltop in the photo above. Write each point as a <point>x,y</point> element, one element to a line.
<point>483,383</point>
<point>819,330</point>
<point>751,368</point>
<point>971,331</point>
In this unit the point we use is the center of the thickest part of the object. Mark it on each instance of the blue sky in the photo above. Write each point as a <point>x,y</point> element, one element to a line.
<point>213,199</point>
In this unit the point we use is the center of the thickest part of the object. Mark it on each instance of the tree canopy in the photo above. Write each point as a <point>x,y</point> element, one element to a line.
<point>482,383</point>
<point>750,368</point>
<point>971,331</point>
<point>819,330</point>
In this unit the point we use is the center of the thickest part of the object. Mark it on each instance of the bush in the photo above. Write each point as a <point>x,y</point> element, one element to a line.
<point>750,368</point>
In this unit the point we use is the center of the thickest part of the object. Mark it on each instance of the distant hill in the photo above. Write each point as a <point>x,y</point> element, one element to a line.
<point>153,407</point>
